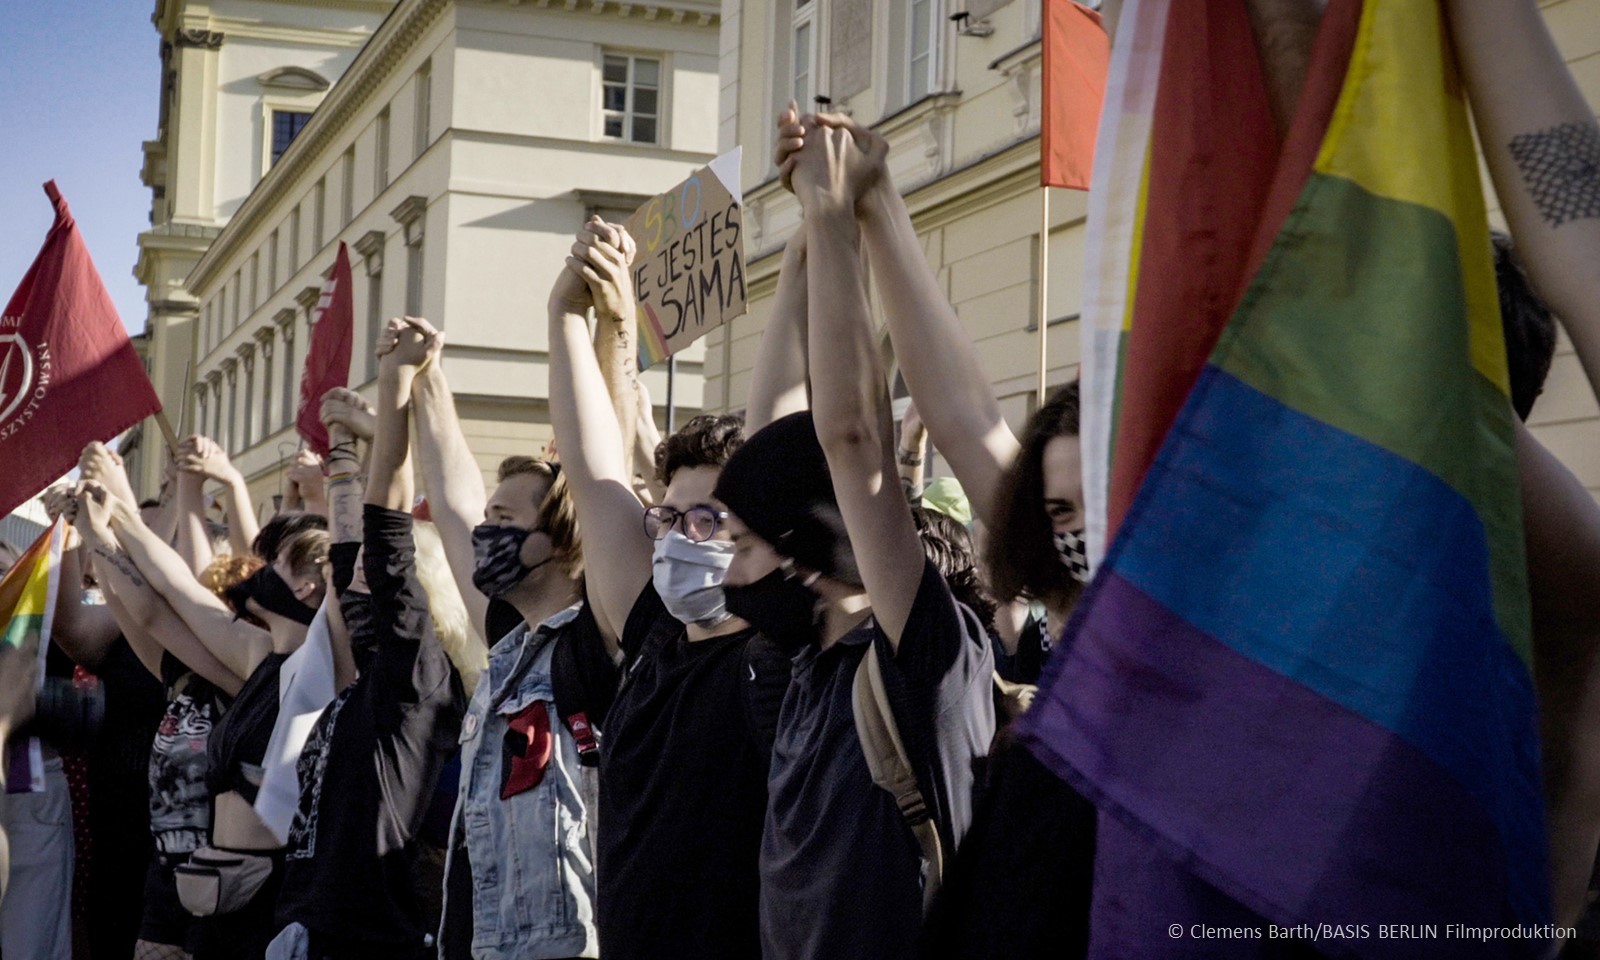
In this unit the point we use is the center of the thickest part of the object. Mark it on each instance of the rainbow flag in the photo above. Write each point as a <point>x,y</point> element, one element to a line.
<point>1299,687</point>
<point>27,611</point>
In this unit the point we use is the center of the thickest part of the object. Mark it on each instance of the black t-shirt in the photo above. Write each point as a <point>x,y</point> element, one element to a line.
<point>239,741</point>
<point>119,758</point>
<point>180,803</point>
<point>683,776</point>
<point>369,767</point>
<point>840,869</point>
<point>1033,646</point>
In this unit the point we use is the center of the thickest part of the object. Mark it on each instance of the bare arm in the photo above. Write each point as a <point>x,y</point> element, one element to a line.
<point>936,356</point>
<point>607,253</point>
<point>194,540</point>
<point>243,525</point>
<point>84,633</point>
<point>616,551</point>
<point>142,611</point>
<point>1543,150</point>
<point>238,646</point>
<point>450,478</point>
<point>389,483</point>
<point>646,439</point>
<point>851,401</point>
<point>911,452</point>
<point>344,486</point>
<point>779,385</point>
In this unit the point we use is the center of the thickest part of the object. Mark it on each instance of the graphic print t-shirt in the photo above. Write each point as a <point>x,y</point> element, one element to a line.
<point>180,803</point>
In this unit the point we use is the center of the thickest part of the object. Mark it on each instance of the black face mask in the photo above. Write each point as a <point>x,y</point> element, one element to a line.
<point>271,594</point>
<point>497,558</point>
<point>779,605</point>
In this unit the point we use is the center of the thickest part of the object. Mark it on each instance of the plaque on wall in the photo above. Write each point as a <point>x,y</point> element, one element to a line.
<point>849,48</point>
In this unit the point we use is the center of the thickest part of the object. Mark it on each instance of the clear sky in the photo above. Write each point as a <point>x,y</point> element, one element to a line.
<point>79,81</point>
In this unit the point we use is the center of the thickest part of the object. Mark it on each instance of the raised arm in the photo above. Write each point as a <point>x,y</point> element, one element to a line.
<point>84,633</point>
<point>402,353</point>
<point>210,461</point>
<point>107,524</point>
<point>450,475</point>
<point>936,357</point>
<point>779,384</point>
<point>345,485</point>
<point>238,645</point>
<point>645,441</point>
<point>616,551</point>
<point>851,401</point>
<point>193,541</point>
<point>607,252</point>
<point>1543,150</point>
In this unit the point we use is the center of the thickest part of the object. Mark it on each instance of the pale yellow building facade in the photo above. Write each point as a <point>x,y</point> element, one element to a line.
<point>959,105</point>
<point>456,154</point>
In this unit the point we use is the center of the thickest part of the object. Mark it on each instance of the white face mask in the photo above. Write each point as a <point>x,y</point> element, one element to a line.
<point>1074,554</point>
<point>688,576</point>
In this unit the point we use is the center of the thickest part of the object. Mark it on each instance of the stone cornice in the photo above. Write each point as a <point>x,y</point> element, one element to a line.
<point>204,39</point>
<point>377,61</point>
<point>697,14</point>
<point>285,320</point>
<point>307,298</point>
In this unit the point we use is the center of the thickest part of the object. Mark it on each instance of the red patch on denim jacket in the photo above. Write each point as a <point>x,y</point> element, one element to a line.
<point>525,754</point>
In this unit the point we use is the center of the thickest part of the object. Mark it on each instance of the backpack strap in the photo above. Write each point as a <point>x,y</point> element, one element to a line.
<point>891,767</point>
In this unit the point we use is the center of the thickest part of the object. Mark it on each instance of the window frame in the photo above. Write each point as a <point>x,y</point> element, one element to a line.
<point>383,136</point>
<point>930,73</point>
<point>630,85</point>
<point>270,108</point>
<point>805,14</point>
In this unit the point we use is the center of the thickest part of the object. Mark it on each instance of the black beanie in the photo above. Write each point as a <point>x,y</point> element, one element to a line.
<point>778,485</point>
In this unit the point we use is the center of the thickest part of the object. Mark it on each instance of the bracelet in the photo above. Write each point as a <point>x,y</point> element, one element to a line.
<point>909,459</point>
<point>335,479</point>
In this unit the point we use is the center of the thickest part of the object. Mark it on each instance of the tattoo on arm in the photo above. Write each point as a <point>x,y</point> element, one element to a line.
<point>1561,167</point>
<point>119,558</point>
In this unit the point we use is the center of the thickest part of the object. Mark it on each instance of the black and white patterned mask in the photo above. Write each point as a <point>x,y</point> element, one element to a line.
<point>1074,554</point>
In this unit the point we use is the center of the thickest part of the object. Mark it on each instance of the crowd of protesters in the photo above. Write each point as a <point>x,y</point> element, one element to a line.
<point>741,692</point>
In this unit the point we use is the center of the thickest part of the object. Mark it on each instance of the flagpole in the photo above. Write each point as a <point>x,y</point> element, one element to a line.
<point>1044,286</point>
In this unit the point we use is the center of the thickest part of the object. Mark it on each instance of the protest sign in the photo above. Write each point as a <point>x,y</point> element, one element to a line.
<point>688,274</point>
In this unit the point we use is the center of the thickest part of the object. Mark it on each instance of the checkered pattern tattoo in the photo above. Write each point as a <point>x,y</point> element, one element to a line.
<point>1561,166</point>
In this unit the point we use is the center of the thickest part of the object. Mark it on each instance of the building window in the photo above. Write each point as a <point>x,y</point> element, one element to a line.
<point>249,401</point>
<point>924,35</point>
<point>289,382</point>
<point>255,281</point>
<point>319,209</point>
<point>272,263</point>
<point>200,410</point>
<point>414,276</point>
<point>424,109</point>
<point>805,53</point>
<point>631,98</point>
<point>347,188</point>
<point>375,319</point>
<point>380,153</point>
<point>294,241</point>
<point>286,125</point>
<point>266,385</point>
<point>237,285</point>
<point>228,435</point>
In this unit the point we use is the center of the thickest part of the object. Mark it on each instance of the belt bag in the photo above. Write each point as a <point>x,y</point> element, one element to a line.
<point>220,881</point>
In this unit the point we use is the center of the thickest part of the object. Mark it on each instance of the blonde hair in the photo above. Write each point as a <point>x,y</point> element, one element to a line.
<point>451,622</point>
<point>228,571</point>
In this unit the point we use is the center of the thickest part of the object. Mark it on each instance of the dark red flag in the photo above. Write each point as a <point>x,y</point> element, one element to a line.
<point>328,361</point>
<point>68,374</point>
<point>1077,58</point>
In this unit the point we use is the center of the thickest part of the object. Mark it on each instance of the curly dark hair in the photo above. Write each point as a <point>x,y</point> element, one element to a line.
<point>948,545</point>
<point>1021,555</point>
<point>280,528</point>
<point>705,441</point>
<point>1529,328</point>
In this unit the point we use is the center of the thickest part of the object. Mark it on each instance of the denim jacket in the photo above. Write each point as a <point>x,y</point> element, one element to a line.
<point>530,855</point>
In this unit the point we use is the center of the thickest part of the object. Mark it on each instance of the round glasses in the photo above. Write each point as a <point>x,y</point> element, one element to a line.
<point>699,522</point>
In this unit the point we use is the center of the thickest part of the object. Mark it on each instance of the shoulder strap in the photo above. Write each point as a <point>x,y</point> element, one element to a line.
<point>891,768</point>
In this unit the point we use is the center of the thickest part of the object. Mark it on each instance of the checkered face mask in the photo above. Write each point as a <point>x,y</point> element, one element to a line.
<point>1073,553</point>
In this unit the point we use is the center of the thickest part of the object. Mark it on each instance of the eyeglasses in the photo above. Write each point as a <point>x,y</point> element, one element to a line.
<point>699,522</point>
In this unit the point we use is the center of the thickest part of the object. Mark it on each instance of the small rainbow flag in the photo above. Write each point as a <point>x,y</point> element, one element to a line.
<point>1299,687</point>
<point>27,610</point>
<point>652,339</point>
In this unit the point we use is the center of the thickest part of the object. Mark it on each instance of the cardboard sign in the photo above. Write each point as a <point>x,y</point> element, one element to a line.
<point>688,274</point>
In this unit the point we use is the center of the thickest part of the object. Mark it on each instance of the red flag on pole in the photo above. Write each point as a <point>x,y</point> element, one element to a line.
<point>68,374</point>
<point>1077,57</point>
<point>328,361</point>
